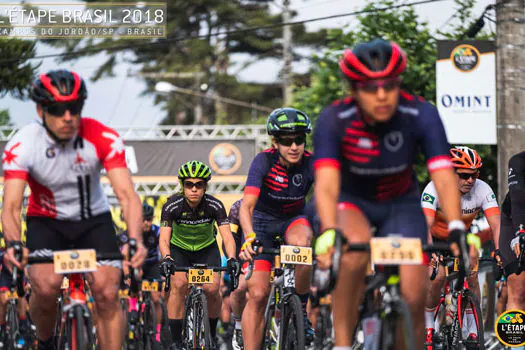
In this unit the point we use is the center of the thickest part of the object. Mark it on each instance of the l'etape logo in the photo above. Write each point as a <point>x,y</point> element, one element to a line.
<point>510,328</point>
<point>465,57</point>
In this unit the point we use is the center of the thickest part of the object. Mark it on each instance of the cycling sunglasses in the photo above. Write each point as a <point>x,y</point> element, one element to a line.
<point>372,86</point>
<point>199,185</point>
<point>466,176</point>
<point>298,140</point>
<point>59,109</point>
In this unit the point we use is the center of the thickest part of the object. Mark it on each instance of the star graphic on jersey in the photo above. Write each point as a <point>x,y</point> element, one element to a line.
<point>117,146</point>
<point>79,159</point>
<point>9,155</point>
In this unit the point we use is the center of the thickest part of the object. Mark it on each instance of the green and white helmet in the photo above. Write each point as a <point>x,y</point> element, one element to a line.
<point>284,121</point>
<point>194,169</point>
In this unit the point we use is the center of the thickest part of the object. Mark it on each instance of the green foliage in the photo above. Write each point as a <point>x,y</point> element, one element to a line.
<point>16,71</point>
<point>5,120</point>
<point>402,26</point>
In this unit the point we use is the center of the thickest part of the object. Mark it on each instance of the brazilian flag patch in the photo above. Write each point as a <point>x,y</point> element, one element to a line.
<point>428,198</point>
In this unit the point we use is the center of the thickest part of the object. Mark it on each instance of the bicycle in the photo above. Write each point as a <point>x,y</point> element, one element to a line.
<point>74,324</point>
<point>458,298</point>
<point>196,330</point>
<point>283,315</point>
<point>14,338</point>
<point>323,322</point>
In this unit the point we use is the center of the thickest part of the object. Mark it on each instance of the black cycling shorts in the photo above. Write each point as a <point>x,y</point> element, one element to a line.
<point>48,234</point>
<point>507,234</point>
<point>151,271</point>
<point>210,256</point>
<point>6,279</point>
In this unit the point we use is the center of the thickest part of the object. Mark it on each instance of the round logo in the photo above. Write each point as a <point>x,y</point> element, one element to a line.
<point>297,180</point>
<point>225,158</point>
<point>50,152</point>
<point>465,57</point>
<point>510,328</point>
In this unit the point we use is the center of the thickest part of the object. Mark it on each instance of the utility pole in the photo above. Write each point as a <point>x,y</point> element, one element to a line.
<point>510,55</point>
<point>287,55</point>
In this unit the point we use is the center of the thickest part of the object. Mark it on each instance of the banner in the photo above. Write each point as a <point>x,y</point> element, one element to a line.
<point>466,90</point>
<point>164,157</point>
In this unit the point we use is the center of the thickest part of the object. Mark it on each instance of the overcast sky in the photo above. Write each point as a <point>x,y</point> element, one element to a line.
<point>118,101</point>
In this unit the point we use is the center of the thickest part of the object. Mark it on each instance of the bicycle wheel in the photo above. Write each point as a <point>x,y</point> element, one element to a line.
<point>442,330</point>
<point>201,323</point>
<point>271,324</point>
<point>326,325</point>
<point>76,331</point>
<point>470,301</point>
<point>292,324</point>
<point>165,331</point>
<point>150,325</point>
<point>399,317</point>
<point>12,326</point>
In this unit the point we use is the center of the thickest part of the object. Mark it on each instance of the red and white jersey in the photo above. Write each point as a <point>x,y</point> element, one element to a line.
<point>64,178</point>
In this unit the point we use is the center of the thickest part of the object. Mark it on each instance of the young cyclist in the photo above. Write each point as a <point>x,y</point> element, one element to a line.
<point>274,198</point>
<point>187,236</point>
<point>365,147</point>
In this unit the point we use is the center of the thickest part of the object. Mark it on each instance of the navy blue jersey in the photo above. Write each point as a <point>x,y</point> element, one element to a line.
<point>150,241</point>
<point>281,191</point>
<point>376,162</point>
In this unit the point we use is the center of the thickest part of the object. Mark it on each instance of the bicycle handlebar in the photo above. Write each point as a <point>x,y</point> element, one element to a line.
<point>187,268</point>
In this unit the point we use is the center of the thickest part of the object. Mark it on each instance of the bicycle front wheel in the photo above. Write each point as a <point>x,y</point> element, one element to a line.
<point>270,333</point>
<point>470,306</point>
<point>397,328</point>
<point>201,323</point>
<point>150,325</point>
<point>12,329</point>
<point>292,334</point>
<point>77,332</point>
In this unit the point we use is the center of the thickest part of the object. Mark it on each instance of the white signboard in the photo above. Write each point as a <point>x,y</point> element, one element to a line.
<point>466,91</point>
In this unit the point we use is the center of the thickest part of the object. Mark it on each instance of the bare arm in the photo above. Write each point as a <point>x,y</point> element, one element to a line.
<point>246,211</point>
<point>227,238</point>
<point>430,221</point>
<point>164,241</point>
<point>494,223</point>
<point>11,222</point>
<point>447,189</point>
<point>326,190</point>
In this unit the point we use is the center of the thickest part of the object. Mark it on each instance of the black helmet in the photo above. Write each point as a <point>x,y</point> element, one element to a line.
<point>147,211</point>
<point>288,121</point>
<point>58,86</point>
<point>376,59</point>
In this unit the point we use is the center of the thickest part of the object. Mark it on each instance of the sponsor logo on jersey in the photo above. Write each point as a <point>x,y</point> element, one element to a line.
<point>279,179</point>
<point>50,152</point>
<point>428,198</point>
<point>394,141</point>
<point>469,211</point>
<point>297,179</point>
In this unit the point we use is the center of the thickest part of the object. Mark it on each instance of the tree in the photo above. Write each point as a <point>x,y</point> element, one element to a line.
<point>16,71</point>
<point>204,64</point>
<point>403,26</point>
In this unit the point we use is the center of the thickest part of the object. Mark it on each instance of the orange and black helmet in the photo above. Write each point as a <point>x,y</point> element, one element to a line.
<point>465,158</point>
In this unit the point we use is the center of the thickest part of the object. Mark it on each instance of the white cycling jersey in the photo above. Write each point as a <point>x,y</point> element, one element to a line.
<point>480,197</point>
<point>64,178</point>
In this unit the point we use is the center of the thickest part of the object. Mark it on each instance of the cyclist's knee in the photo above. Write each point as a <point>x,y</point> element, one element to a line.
<point>155,296</point>
<point>106,298</point>
<point>259,294</point>
<point>180,284</point>
<point>300,235</point>
<point>355,262</point>
<point>212,290</point>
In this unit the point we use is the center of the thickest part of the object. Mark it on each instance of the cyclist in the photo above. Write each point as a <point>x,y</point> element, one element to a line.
<point>238,296</point>
<point>274,198</point>
<point>187,236</point>
<point>151,271</point>
<point>476,195</point>
<point>512,221</point>
<point>365,147</point>
<point>60,157</point>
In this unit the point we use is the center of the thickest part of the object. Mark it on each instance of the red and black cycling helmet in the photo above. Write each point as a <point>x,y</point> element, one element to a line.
<point>58,86</point>
<point>376,59</point>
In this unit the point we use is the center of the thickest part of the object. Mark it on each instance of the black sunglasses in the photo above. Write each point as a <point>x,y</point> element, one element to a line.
<point>298,140</point>
<point>466,176</point>
<point>199,185</point>
<point>59,109</point>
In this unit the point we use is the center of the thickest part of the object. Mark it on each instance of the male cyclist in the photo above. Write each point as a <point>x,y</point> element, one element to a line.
<point>151,271</point>
<point>274,198</point>
<point>61,157</point>
<point>187,236</point>
<point>476,195</point>
<point>365,148</point>
<point>512,227</point>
